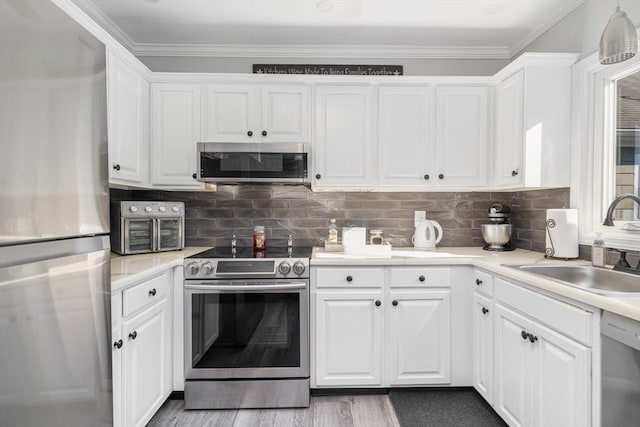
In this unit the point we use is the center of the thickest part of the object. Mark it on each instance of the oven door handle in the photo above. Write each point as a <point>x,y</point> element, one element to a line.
<point>233,288</point>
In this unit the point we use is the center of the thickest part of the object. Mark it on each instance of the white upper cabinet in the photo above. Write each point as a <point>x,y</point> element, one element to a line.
<point>128,123</point>
<point>461,151</point>
<point>509,127</point>
<point>257,113</point>
<point>405,131</point>
<point>343,144</point>
<point>175,130</point>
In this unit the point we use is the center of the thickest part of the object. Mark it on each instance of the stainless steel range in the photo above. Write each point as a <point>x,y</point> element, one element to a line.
<point>247,328</point>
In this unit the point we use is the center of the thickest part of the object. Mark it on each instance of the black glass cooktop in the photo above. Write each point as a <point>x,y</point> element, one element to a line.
<point>248,252</point>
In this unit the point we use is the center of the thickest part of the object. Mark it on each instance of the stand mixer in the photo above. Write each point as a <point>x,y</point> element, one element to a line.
<point>497,234</point>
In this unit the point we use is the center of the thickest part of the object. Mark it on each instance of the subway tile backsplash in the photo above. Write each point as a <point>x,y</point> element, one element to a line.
<point>213,217</point>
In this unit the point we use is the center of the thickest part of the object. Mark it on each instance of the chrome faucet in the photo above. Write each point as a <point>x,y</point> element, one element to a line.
<point>608,221</point>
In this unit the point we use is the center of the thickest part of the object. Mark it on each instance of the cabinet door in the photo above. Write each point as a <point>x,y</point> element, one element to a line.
<point>128,123</point>
<point>513,367</point>
<point>285,113</point>
<point>509,130</point>
<point>343,143</point>
<point>175,114</point>
<point>117,350</point>
<point>147,364</point>
<point>461,151</point>
<point>231,114</point>
<point>348,333</point>
<point>418,344</point>
<point>405,132</point>
<point>483,346</point>
<point>562,391</point>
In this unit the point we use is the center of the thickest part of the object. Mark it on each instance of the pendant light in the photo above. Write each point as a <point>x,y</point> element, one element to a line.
<point>619,40</point>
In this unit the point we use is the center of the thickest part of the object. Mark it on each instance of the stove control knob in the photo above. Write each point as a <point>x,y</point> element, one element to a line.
<point>133,209</point>
<point>162,209</point>
<point>299,268</point>
<point>176,208</point>
<point>148,209</point>
<point>193,268</point>
<point>207,268</point>
<point>284,268</point>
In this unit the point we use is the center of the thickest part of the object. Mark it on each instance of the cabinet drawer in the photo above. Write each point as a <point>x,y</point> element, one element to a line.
<point>420,277</point>
<point>349,277</point>
<point>145,293</point>
<point>567,319</point>
<point>483,282</point>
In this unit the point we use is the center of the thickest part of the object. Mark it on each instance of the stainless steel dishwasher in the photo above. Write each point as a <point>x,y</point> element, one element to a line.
<point>620,371</point>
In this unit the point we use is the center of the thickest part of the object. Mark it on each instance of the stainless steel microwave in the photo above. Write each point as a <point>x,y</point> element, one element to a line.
<point>274,163</point>
<point>140,227</point>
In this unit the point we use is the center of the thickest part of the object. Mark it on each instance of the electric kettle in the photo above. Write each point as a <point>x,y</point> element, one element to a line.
<point>425,237</point>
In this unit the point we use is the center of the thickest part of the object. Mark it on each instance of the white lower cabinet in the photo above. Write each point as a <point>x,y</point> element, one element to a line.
<point>142,351</point>
<point>348,339</point>
<point>543,378</point>
<point>483,346</point>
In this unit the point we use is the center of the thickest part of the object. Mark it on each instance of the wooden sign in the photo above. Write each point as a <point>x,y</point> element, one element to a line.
<point>329,70</point>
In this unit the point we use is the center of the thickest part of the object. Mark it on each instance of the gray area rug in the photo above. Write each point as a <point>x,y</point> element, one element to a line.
<point>443,408</point>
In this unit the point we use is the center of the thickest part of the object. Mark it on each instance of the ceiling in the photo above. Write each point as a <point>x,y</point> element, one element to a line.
<point>331,28</point>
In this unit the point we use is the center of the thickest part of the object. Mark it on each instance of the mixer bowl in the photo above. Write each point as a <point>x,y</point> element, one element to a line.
<point>496,235</point>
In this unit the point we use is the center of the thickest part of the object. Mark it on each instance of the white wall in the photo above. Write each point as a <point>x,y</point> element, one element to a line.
<point>580,30</point>
<point>426,67</point>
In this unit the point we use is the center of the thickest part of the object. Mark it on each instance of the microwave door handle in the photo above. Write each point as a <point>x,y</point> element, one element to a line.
<point>234,288</point>
<point>156,234</point>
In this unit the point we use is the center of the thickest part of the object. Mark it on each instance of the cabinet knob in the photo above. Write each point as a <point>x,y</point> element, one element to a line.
<point>116,167</point>
<point>441,176</point>
<point>378,303</point>
<point>422,278</point>
<point>478,282</point>
<point>426,177</point>
<point>133,335</point>
<point>524,335</point>
<point>152,292</point>
<point>194,176</point>
<point>533,338</point>
<point>117,344</point>
<point>250,133</point>
<point>394,302</point>
<point>264,133</point>
<point>485,310</point>
<point>349,278</point>
<point>514,173</point>
<point>318,176</point>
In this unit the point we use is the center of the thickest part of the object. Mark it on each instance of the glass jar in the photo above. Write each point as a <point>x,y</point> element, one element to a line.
<point>376,237</point>
<point>259,238</point>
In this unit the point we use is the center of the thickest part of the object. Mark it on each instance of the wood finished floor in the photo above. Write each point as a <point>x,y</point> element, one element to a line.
<point>324,411</point>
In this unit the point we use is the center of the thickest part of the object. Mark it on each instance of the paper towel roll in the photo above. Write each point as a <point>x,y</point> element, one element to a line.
<point>562,233</point>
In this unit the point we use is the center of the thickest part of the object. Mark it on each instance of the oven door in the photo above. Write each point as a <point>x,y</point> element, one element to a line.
<point>139,235</point>
<point>170,233</point>
<point>246,329</point>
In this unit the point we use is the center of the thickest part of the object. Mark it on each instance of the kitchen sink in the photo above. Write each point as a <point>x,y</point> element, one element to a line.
<point>597,280</point>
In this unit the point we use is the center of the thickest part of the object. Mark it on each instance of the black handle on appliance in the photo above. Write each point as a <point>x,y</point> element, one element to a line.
<point>485,310</point>
<point>349,278</point>
<point>478,282</point>
<point>152,292</point>
<point>318,176</point>
<point>116,167</point>
<point>514,173</point>
<point>133,335</point>
<point>394,302</point>
<point>524,335</point>
<point>533,338</point>
<point>264,133</point>
<point>117,344</point>
<point>250,133</point>
<point>422,278</point>
<point>378,303</point>
<point>426,177</point>
<point>441,176</point>
<point>194,176</point>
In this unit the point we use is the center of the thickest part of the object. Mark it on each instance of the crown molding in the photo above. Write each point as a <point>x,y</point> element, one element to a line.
<point>321,51</point>
<point>518,47</point>
<point>95,13</point>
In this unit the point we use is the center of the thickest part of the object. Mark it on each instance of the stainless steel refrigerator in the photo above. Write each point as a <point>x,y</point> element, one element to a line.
<point>55,324</point>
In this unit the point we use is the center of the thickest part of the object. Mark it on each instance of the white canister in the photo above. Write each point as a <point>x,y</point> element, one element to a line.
<point>562,233</point>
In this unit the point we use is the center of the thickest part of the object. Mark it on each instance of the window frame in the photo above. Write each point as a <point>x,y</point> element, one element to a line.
<point>593,143</point>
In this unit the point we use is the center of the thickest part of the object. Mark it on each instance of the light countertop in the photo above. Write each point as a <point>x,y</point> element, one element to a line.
<point>129,269</point>
<point>496,262</point>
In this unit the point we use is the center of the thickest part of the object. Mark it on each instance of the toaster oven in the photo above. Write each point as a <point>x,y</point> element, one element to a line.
<point>141,227</point>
